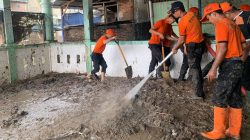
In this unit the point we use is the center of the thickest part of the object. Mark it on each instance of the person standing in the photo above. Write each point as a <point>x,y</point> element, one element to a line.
<point>241,18</point>
<point>161,34</point>
<point>190,33</point>
<point>226,91</point>
<point>97,56</point>
<point>184,66</point>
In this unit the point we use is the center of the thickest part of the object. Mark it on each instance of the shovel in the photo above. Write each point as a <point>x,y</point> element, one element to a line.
<point>164,73</point>
<point>134,91</point>
<point>128,69</point>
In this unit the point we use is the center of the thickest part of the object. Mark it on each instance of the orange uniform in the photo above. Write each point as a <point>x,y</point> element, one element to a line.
<point>245,7</point>
<point>164,28</point>
<point>225,32</point>
<point>100,46</point>
<point>190,27</point>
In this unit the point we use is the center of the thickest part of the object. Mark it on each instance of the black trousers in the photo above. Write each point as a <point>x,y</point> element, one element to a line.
<point>98,61</point>
<point>246,74</point>
<point>156,53</point>
<point>184,66</point>
<point>227,90</point>
<point>194,54</point>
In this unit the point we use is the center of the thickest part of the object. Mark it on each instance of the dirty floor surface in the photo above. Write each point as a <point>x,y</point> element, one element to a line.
<point>70,107</point>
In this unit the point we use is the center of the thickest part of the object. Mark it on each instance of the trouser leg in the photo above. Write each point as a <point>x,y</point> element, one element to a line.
<point>96,63</point>
<point>184,67</point>
<point>195,73</point>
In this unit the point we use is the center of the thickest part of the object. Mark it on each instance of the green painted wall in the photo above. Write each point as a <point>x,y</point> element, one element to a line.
<point>160,9</point>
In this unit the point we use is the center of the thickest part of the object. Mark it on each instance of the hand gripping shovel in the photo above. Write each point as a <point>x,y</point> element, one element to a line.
<point>164,73</point>
<point>128,69</point>
<point>134,91</point>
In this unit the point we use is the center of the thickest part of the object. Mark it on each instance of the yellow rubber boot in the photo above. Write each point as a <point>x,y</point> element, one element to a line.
<point>220,115</point>
<point>235,119</point>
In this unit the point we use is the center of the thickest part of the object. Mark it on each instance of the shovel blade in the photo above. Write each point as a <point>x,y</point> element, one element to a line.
<point>165,75</point>
<point>129,72</point>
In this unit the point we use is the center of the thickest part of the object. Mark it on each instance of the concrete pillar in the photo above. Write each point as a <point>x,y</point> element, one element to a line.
<point>9,39</point>
<point>8,29</point>
<point>62,24</point>
<point>47,10</point>
<point>88,31</point>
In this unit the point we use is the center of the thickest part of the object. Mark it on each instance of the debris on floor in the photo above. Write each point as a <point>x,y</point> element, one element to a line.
<point>70,106</point>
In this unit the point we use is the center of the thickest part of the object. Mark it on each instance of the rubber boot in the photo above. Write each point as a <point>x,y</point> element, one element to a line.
<point>219,125</point>
<point>248,113</point>
<point>235,119</point>
<point>102,76</point>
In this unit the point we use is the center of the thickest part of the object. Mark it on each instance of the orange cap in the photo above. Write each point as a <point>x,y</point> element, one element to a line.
<point>194,10</point>
<point>110,32</point>
<point>245,7</point>
<point>225,6</point>
<point>209,9</point>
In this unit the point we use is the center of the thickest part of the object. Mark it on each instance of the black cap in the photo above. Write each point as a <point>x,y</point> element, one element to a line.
<point>177,5</point>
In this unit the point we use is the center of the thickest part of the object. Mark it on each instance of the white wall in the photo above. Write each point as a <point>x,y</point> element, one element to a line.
<point>4,67</point>
<point>32,61</point>
<point>138,56</point>
<point>71,49</point>
<point>41,59</point>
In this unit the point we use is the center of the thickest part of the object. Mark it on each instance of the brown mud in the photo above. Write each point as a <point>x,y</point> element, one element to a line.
<point>72,107</point>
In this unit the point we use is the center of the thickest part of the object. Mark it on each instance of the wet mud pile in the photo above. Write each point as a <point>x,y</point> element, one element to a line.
<point>70,106</point>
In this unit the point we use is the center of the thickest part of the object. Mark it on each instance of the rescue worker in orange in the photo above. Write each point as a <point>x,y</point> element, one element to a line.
<point>190,33</point>
<point>97,56</point>
<point>227,98</point>
<point>161,32</point>
<point>241,18</point>
<point>184,66</point>
<point>245,7</point>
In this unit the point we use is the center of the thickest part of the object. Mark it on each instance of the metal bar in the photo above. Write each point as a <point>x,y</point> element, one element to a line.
<point>151,12</point>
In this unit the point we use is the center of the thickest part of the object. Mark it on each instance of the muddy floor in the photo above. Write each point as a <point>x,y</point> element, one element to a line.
<point>71,107</point>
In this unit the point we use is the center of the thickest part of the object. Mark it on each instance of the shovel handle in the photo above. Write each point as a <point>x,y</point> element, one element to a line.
<point>123,56</point>
<point>163,55</point>
<point>210,50</point>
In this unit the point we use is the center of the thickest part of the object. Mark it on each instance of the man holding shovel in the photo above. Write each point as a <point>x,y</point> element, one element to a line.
<point>97,56</point>
<point>191,34</point>
<point>162,35</point>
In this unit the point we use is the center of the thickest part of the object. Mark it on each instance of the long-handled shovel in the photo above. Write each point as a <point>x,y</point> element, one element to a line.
<point>134,91</point>
<point>128,69</point>
<point>164,73</point>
